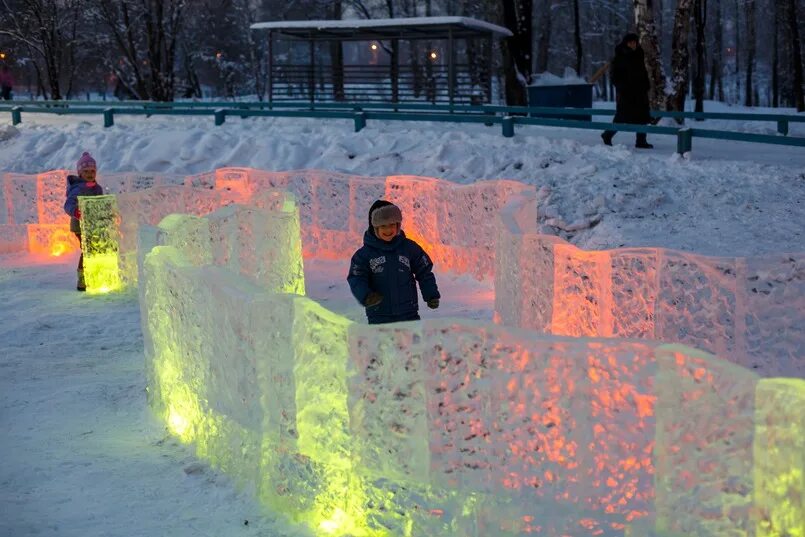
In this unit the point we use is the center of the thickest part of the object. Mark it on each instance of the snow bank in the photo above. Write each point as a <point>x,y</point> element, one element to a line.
<point>747,310</point>
<point>450,427</point>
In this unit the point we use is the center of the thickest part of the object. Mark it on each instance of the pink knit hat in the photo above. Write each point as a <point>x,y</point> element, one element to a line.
<point>86,161</point>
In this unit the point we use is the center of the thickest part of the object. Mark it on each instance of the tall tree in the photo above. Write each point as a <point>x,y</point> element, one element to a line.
<point>775,58</point>
<point>680,56</point>
<point>48,30</point>
<point>796,55</point>
<point>145,33</point>
<point>700,18</point>
<point>544,42</point>
<point>577,36</point>
<point>751,47</point>
<point>716,56</point>
<point>337,56</point>
<point>649,41</point>
<point>518,50</point>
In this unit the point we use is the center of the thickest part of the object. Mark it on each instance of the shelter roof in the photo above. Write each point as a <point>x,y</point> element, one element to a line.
<point>368,29</point>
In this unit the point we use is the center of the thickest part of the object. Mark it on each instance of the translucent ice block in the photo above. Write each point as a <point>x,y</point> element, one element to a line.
<point>100,242</point>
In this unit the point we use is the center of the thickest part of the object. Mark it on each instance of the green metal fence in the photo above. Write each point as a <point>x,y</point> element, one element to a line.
<point>505,116</point>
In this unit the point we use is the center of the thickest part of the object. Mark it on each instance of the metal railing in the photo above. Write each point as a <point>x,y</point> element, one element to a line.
<point>505,116</point>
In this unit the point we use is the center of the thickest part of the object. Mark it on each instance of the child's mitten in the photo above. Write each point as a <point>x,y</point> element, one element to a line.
<point>373,299</point>
<point>433,303</point>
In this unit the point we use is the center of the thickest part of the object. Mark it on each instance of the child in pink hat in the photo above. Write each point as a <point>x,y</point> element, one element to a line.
<point>83,184</point>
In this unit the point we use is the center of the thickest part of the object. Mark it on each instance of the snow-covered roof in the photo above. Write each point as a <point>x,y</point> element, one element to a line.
<point>406,28</point>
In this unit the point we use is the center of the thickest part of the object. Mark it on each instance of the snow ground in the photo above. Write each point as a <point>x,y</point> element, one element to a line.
<point>81,453</point>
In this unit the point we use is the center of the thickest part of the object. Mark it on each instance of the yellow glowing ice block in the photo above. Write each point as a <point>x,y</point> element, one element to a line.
<point>100,242</point>
<point>779,457</point>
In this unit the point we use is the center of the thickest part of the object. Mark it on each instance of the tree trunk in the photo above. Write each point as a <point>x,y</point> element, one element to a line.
<point>717,61</point>
<point>337,57</point>
<point>796,56</point>
<point>544,43</point>
<point>680,56</point>
<point>737,73</point>
<point>700,16</point>
<point>775,59</point>
<point>750,51</point>
<point>644,21</point>
<point>517,50</point>
<point>577,36</point>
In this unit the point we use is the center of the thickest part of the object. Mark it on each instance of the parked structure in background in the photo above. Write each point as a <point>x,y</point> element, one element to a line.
<point>429,59</point>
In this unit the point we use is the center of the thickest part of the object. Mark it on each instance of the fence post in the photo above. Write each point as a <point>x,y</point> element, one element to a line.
<point>16,115</point>
<point>684,141</point>
<point>108,117</point>
<point>220,116</point>
<point>360,121</point>
<point>508,126</point>
<point>782,126</point>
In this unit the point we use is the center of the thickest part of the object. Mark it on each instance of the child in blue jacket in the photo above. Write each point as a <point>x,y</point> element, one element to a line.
<point>383,273</point>
<point>82,184</point>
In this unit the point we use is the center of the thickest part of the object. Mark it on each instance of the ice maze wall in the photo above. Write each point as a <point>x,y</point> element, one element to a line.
<point>455,223</point>
<point>450,427</point>
<point>750,311</point>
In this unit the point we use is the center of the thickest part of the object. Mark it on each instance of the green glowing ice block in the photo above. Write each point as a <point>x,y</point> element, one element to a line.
<point>779,457</point>
<point>100,242</point>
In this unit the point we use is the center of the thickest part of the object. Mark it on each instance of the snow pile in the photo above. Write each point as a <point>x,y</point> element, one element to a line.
<point>570,78</point>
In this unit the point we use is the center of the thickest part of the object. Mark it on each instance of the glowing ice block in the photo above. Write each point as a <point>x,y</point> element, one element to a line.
<point>13,238</point>
<point>779,457</point>
<point>51,239</point>
<point>100,242</point>
<point>704,444</point>
<point>150,206</point>
<point>264,245</point>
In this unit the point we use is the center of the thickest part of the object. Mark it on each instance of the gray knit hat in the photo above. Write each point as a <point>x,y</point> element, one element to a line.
<point>387,214</point>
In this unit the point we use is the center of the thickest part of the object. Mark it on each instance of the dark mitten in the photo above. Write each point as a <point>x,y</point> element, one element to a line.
<point>373,299</point>
<point>433,303</point>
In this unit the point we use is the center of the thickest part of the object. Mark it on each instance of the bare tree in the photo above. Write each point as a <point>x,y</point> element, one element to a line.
<point>796,57</point>
<point>577,36</point>
<point>517,49</point>
<point>649,41</point>
<point>700,18</point>
<point>775,58</point>
<point>48,30</point>
<point>680,56</point>
<point>751,48</point>
<point>544,42</point>
<point>716,58</point>
<point>145,33</point>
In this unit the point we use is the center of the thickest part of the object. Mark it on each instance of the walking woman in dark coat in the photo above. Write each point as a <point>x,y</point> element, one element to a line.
<point>631,81</point>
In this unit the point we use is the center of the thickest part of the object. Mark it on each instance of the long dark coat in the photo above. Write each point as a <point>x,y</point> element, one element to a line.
<point>631,80</point>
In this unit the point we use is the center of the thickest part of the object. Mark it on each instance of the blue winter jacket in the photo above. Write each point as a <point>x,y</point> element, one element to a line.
<point>78,187</point>
<point>392,269</point>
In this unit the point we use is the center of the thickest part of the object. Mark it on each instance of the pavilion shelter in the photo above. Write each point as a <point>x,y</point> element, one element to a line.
<point>445,60</point>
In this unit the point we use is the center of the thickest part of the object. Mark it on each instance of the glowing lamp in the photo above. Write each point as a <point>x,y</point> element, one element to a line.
<point>100,242</point>
<point>373,46</point>
<point>2,55</point>
<point>433,55</point>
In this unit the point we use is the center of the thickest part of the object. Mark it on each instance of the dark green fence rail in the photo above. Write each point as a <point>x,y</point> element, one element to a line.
<point>360,113</point>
